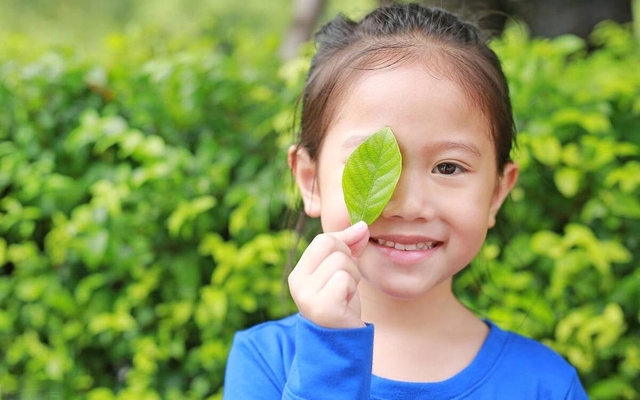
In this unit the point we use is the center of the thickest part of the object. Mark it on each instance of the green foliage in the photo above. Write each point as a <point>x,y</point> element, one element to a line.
<point>141,214</point>
<point>563,266</point>
<point>142,200</point>
<point>87,23</point>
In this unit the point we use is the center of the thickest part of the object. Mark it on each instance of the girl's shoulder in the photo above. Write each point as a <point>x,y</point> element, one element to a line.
<point>264,351</point>
<point>519,363</point>
<point>514,349</point>
<point>274,339</point>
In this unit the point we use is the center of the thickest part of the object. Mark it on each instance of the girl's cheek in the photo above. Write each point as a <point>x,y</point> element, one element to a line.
<point>335,216</point>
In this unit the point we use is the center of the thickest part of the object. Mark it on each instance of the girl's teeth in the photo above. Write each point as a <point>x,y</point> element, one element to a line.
<point>406,247</point>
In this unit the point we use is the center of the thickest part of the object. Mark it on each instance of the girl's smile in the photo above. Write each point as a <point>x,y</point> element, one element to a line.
<point>399,245</point>
<point>405,250</point>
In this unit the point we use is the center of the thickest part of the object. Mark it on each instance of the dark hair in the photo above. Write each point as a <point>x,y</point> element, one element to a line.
<point>388,36</point>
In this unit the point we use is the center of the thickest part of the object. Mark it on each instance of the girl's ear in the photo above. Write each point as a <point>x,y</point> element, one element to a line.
<point>305,173</point>
<point>505,184</point>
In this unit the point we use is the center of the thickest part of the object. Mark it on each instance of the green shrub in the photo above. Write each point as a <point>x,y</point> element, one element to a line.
<point>140,214</point>
<point>563,265</point>
<point>143,205</point>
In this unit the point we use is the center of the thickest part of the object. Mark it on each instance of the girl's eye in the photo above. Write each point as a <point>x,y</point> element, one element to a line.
<point>447,168</point>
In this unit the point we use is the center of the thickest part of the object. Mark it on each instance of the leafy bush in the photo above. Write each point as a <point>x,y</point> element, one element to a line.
<point>139,214</point>
<point>143,200</point>
<point>563,266</point>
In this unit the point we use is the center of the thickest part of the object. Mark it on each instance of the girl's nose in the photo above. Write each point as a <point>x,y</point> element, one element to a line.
<point>411,199</point>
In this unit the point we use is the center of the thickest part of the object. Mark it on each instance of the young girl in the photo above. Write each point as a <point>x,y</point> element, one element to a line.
<point>378,319</point>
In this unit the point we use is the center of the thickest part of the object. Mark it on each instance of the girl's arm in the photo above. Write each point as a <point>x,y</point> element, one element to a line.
<point>300,360</point>
<point>333,349</point>
<point>331,363</point>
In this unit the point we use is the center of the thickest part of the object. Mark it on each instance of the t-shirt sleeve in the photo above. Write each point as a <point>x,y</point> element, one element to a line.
<point>249,374</point>
<point>330,363</point>
<point>326,364</point>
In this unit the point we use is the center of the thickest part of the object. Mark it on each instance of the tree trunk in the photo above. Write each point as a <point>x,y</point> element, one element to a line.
<point>546,18</point>
<point>549,18</point>
<point>306,14</point>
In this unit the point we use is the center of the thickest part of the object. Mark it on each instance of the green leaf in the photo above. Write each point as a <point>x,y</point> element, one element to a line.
<point>370,176</point>
<point>547,149</point>
<point>568,181</point>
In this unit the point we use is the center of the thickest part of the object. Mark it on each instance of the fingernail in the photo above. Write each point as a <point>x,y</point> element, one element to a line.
<point>358,226</point>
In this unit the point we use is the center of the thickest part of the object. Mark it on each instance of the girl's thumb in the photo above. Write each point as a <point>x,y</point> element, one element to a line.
<point>356,237</point>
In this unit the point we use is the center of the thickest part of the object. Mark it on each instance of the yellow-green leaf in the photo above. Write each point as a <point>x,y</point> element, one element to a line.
<point>370,176</point>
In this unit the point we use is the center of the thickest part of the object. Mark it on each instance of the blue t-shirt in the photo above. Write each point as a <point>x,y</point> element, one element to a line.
<point>295,359</point>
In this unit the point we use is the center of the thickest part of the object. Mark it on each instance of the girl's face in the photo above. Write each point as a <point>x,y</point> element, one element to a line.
<point>449,191</point>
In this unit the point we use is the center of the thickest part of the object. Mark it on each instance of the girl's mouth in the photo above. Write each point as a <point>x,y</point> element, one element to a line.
<point>406,246</point>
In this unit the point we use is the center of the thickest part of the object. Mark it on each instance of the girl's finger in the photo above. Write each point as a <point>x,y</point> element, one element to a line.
<point>355,236</point>
<point>335,297</point>
<point>317,251</point>
<point>337,261</point>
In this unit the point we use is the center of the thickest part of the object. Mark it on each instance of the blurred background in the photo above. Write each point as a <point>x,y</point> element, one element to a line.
<point>147,214</point>
<point>86,24</point>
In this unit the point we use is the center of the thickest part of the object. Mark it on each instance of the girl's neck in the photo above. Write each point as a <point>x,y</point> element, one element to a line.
<point>427,339</point>
<point>436,310</point>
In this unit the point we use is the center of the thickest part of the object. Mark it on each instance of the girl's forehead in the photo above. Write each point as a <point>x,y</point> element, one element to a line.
<point>402,87</point>
<point>415,102</point>
<point>427,75</point>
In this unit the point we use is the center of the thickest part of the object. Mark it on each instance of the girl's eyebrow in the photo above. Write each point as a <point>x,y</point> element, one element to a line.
<point>435,147</point>
<point>446,145</point>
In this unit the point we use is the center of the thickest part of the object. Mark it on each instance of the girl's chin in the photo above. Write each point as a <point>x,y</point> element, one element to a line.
<point>404,289</point>
<point>401,274</point>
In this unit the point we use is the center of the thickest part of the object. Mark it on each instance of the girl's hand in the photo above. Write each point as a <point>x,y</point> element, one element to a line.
<point>324,283</point>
